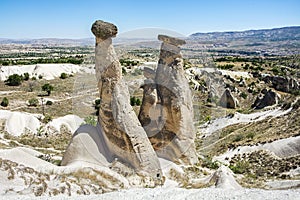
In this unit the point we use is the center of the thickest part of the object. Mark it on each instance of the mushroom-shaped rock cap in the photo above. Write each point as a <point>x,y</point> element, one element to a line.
<point>104,30</point>
<point>171,40</point>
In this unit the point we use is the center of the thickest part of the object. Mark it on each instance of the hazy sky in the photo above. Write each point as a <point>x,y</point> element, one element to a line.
<point>73,18</point>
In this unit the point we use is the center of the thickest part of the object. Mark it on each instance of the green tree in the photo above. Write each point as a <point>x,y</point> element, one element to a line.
<point>49,103</point>
<point>48,88</point>
<point>63,75</point>
<point>14,80</point>
<point>138,102</point>
<point>132,101</point>
<point>26,76</point>
<point>4,102</point>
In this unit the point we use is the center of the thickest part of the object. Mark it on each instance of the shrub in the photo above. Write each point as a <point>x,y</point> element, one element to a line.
<point>26,76</point>
<point>226,66</point>
<point>238,138</point>
<point>124,72</point>
<point>63,75</point>
<point>243,95</point>
<point>134,101</point>
<point>239,167</point>
<point>4,102</point>
<point>49,103</point>
<point>91,120</point>
<point>47,119</point>
<point>14,80</point>
<point>48,88</point>
<point>97,106</point>
<point>207,118</point>
<point>138,102</point>
<point>33,102</point>
<point>97,102</point>
<point>250,135</point>
<point>207,162</point>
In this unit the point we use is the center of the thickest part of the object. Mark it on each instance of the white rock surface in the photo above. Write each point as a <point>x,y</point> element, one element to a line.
<point>48,71</point>
<point>72,122</point>
<point>17,123</point>
<point>217,124</point>
<point>179,194</point>
<point>224,179</point>
<point>281,148</point>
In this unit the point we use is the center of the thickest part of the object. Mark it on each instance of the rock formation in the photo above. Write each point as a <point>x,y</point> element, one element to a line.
<point>223,178</point>
<point>284,84</point>
<point>121,135</point>
<point>266,98</point>
<point>166,114</point>
<point>167,109</point>
<point>227,100</point>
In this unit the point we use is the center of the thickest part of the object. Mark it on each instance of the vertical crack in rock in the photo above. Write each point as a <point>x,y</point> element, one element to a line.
<point>125,137</point>
<point>167,116</point>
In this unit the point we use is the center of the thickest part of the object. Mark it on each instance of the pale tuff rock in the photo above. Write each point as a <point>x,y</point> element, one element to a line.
<point>167,110</point>
<point>119,130</point>
<point>227,100</point>
<point>223,178</point>
<point>166,114</point>
<point>123,133</point>
<point>266,98</point>
<point>150,111</point>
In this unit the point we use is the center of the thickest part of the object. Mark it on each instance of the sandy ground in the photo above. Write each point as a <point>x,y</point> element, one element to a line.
<point>180,194</point>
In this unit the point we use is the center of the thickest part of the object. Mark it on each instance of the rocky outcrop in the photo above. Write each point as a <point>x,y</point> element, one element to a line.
<point>121,135</point>
<point>284,84</point>
<point>266,98</point>
<point>167,110</point>
<point>227,100</point>
<point>223,178</point>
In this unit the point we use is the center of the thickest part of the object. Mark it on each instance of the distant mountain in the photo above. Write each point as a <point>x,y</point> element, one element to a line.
<point>276,34</point>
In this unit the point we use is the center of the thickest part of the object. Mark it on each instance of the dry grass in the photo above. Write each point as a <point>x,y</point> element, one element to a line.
<point>56,141</point>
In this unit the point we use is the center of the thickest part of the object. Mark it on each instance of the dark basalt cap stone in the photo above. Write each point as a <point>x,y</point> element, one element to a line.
<point>104,30</point>
<point>171,40</point>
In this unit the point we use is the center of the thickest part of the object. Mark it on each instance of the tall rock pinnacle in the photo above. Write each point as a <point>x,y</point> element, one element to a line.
<point>125,137</point>
<point>171,131</point>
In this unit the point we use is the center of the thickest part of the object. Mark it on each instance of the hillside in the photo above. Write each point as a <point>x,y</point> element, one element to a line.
<point>275,34</point>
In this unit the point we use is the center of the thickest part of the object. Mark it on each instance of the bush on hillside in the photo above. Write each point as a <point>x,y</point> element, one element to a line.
<point>47,88</point>
<point>33,102</point>
<point>63,75</point>
<point>4,102</point>
<point>14,80</point>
